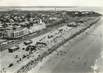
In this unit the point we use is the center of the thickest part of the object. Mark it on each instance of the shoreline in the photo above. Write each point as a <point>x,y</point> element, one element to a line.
<point>36,70</point>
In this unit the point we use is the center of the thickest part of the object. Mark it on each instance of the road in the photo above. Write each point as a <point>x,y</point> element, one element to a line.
<point>30,36</point>
<point>81,53</point>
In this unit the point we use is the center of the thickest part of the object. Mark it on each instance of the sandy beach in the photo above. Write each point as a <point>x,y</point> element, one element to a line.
<point>78,55</point>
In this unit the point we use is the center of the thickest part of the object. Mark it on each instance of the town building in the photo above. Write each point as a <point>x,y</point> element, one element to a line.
<point>12,32</point>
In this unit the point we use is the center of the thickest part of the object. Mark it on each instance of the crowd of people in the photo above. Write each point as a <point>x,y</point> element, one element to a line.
<point>55,41</point>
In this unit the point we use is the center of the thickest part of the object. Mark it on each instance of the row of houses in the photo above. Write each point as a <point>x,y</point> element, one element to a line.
<point>11,32</point>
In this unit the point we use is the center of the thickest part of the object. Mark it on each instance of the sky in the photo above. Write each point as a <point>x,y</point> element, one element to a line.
<point>98,3</point>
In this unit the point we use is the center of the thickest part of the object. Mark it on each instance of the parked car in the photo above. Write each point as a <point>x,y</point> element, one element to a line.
<point>50,36</point>
<point>72,24</point>
<point>30,48</point>
<point>28,42</point>
<point>13,49</point>
<point>41,43</point>
<point>10,65</point>
<point>4,43</point>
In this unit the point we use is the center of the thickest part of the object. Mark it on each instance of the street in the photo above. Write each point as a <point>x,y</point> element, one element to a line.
<point>30,36</point>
